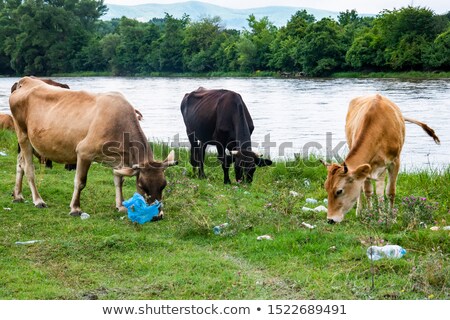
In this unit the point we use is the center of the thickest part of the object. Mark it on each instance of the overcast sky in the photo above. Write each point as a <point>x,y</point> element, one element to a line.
<point>361,6</point>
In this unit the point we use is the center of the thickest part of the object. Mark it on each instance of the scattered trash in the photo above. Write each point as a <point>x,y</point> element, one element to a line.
<point>139,211</point>
<point>316,209</point>
<point>264,237</point>
<point>436,228</point>
<point>321,209</point>
<point>325,201</point>
<point>306,182</point>
<point>7,209</point>
<point>308,225</point>
<point>332,248</point>
<point>390,251</point>
<point>29,242</point>
<point>218,229</point>
<point>3,154</point>
<point>84,216</point>
<point>311,200</point>
<point>293,193</point>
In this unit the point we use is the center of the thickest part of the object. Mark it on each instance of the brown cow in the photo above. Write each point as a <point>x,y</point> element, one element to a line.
<point>375,130</point>
<point>6,122</point>
<point>80,127</point>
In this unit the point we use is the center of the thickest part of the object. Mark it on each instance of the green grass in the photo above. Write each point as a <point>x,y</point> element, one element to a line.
<point>108,257</point>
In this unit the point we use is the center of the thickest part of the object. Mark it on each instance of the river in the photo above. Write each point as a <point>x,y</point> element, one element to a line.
<point>290,115</point>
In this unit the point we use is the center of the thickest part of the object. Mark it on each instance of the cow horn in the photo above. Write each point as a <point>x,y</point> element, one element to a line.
<point>127,171</point>
<point>325,163</point>
<point>234,152</point>
<point>170,160</point>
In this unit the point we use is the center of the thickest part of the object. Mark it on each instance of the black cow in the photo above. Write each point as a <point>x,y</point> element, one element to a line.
<point>220,118</point>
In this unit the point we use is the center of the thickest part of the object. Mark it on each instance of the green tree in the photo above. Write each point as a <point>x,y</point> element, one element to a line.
<point>226,55</point>
<point>254,45</point>
<point>286,46</point>
<point>48,34</point>
<point>438,55</point>
<point>137,41</point>
<point>405,35</point>
<point>201,43</point>
<point>171,44</point>
<point>323,49</point>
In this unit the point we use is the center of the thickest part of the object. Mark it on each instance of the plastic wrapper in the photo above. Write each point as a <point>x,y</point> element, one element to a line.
<point>139,211</point>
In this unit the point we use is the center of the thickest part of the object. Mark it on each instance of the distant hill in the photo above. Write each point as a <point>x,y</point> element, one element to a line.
<point>231,18</point>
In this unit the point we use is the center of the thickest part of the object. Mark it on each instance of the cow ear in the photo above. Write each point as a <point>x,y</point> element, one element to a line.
<point>362,172</point>
<point>170,160</point>
<point>127,171</point>
<point>260,162</point>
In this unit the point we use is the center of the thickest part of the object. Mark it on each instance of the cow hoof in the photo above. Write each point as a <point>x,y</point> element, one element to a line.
<point>41,205</point>
<point>18,200</point>
<point>122,209</point>
<point>160,216</point>
<point>75,213</point>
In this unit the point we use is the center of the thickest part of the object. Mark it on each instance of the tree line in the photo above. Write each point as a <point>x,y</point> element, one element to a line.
<point>44,37</point>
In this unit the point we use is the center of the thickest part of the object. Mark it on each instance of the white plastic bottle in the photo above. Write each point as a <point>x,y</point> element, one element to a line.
<point>390,251</point>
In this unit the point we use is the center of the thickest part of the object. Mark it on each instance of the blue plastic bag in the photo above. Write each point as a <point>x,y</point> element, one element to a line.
<point>139,211</point>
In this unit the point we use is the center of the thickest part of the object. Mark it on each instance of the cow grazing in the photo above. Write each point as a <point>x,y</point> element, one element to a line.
<point>80,127</point>
<point>6,122</point>
<point>375,131</point>
<point>221,118</point>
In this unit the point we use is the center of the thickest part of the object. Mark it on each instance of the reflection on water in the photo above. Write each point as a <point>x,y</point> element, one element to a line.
<point>290,115</point>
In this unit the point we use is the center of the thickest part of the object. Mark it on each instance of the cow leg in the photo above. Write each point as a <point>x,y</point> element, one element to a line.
<point>392,181</point>
<point>28,168</point>
<point>201,167</point>
<point>79,184</point>
<point>366,197</point>
<point>380,184</point>
<point>118,183</point>
<point>17,194</point>
<point>225,164</point>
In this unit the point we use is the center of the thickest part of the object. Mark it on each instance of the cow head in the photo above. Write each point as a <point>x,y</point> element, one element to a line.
<point>343,187</point>
<point>150,179</point>
<point>245,163</point>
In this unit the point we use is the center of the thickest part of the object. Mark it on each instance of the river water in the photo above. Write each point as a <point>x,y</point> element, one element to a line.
<point>290,115</point>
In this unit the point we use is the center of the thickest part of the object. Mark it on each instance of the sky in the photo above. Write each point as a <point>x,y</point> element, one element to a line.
<point>361,6</point>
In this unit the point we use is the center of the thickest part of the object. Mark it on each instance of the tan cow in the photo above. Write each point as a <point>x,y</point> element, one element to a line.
<point>6,122</point>
<point>375,130</point>
<point>80,127</point>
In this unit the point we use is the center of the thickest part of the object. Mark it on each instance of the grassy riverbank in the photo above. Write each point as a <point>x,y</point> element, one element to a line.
<point>108,257</point>
<point>273,74</point>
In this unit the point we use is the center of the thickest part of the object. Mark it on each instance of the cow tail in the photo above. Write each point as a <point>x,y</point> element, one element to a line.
<point>426,128</point>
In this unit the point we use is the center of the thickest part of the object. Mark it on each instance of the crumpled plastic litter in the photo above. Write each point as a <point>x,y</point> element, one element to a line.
<point>264,237</point>
<point>316,209</point>
<point>309,226</point>
<point>139,211</point>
